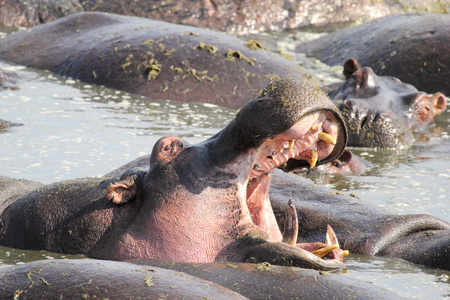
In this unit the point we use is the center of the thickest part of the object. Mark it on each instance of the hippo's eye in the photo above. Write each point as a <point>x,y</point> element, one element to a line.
<point>168,147</point>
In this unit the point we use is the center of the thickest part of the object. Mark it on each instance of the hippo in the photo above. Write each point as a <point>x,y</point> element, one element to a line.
<point>414,47</point>
<point>8,79</point>
<point>196,203</point>
<point>12,189</point>
<point>158,279</point>
<point>151,58</point>
<point>5,124</point>
<point>231,16</point>
<point>382,111</point>
<point>84,278</point>
<point>362,228</point>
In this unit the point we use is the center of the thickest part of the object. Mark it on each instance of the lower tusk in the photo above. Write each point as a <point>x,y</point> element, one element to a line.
<point>325,250</point>
<point>314,157</point>
<point>331,238</point>
<point>327,138</point>
<point>345,253</point>
<point>290,232</point>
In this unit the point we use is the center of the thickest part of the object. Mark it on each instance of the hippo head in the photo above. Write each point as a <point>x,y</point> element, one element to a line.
<point>381,111</point>
<point>209,202</point>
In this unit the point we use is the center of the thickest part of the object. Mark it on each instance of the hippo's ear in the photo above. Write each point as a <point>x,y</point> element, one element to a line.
<point>123,191</point>
<point>350,67</point>
<point>439,103</point>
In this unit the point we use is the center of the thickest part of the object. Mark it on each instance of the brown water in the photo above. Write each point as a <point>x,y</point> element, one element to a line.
<point>72,129</point>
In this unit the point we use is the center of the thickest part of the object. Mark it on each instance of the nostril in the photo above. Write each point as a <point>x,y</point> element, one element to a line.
<point>348,103</point>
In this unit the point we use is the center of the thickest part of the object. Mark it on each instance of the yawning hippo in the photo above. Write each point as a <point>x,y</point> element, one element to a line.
<point>363,228</point>
<point>200,203</point>
<point>381,111</point>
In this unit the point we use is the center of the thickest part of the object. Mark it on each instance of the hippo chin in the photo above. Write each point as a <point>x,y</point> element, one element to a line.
<point>381,111</point>
<point>200,203</point>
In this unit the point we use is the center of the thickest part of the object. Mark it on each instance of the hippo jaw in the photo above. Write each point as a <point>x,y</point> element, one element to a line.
<point>308,141</point>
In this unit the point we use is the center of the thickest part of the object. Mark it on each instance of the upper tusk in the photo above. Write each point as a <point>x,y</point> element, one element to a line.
<point>327,138</point>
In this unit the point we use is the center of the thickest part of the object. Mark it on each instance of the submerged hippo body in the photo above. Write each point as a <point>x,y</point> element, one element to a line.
<point>413,47</point>
<point>362,228</point>
<point>90,279</point>
<point>200,203</point>
<point>151,279</point>
<point>147,57</point>
<point>382,111</point>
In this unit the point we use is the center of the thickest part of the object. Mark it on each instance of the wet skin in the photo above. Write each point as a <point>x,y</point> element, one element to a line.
<point>87,279</point>
<point>200,203</point>
<point>381,111</point>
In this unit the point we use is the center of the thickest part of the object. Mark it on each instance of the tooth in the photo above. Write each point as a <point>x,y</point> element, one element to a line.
<point>327,138</point>
<point>331,238</point>
<point>345,252</point>
<point>285,144</point>
<point>313,127</point>
<point>290,232</point>
<point>325,250</point>
<point>314,157</point>
<point>291,145</point>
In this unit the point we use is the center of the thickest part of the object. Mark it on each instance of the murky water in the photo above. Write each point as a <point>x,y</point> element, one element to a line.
<point>72,129</point>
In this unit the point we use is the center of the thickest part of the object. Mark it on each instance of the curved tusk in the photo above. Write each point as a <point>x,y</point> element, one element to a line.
<point>314,157</point>
<point>325,250</point>
<point>290,232</point>
<point>327,138</point>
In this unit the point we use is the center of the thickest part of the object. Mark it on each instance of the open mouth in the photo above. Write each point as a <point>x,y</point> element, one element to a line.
<point>310,140</point>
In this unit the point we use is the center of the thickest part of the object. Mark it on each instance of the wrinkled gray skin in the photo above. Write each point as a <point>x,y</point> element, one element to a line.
<point>191,204</point>
<point>151,58</point>
<point>151,279</point>
<point>90,279</point>
<point>382,111</point>
<point>225,15</point>
<point>413,47</point>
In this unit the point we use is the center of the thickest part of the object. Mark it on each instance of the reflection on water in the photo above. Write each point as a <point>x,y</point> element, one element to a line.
<point>72,129</point>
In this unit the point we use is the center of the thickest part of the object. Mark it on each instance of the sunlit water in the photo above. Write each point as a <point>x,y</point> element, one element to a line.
<point>72,129</point>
